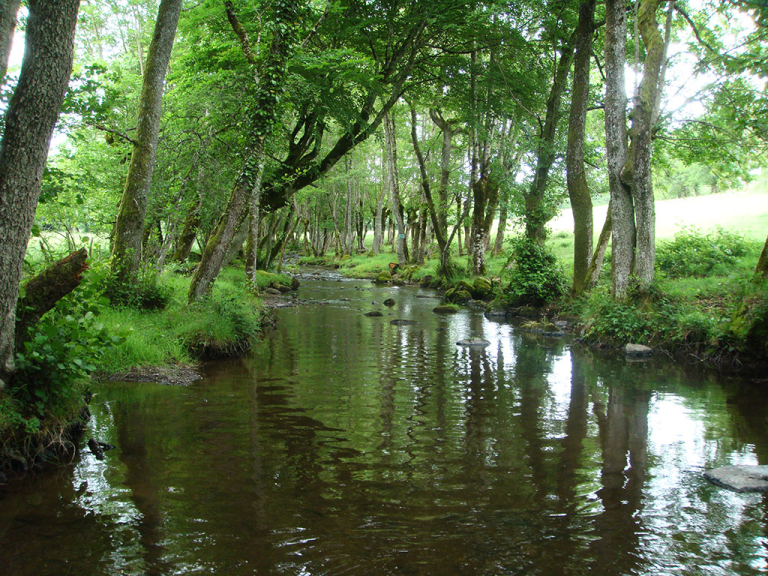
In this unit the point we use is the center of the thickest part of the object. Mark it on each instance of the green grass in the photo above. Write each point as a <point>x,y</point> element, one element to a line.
<point>220,325</point>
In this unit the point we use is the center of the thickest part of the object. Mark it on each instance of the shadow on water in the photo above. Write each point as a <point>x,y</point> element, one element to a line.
<point>348,445</point>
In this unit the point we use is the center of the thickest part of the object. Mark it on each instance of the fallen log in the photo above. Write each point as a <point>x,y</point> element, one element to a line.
<point>43,291</point>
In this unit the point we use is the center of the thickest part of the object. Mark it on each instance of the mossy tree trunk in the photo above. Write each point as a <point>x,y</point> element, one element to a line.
<point>247,188</point>
<point>578,189</point>
<point>29,123</point>
<point>129,225</point>
<point>400,240</point>
<point>622,211</point>
<point>637,171</point>
<point>535,216</point>
<point>43,291</point>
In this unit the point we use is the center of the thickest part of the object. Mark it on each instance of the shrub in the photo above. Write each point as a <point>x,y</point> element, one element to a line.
<point>693,253</point>
<point>614,321</point>
<point>535,277</point>
<point>145,293</point>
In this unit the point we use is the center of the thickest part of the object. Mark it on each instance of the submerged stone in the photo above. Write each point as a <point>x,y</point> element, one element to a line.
<point>474,342</point>
<point>389,302</point>
<point>740,478</point>
<point>399,322</point>
<point>637,351</point>
<point>445,309</point>
<point>374,313</point>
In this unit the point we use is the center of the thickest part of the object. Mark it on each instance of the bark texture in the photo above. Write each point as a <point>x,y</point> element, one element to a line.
<point>622,211</point>
<point>638,173</point>
<point>8,11</point>
<point>394,189</point>
<point>29,124</point>
<point>129,226</point>
<point>43,291</point>
<point>578,189</point>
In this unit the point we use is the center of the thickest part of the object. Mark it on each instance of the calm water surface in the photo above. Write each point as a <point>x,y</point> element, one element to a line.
<point>347,445</point>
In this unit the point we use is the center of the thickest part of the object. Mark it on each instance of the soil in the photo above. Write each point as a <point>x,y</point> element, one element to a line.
<point>180,375</point>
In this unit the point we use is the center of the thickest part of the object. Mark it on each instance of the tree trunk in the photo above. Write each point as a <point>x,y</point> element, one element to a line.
<point>535,217</point>
<point>596,264</point>
<point>43,291</point>
<point>129,225</point>
<point>262,116</point>
<point>29,123</point>
<point>578,189</point>
<point>8,11</point>
<point>622,211</point>
<point>499,243</point>
<point>638,173</point>
<point>761,270</point>
<point>394,188</point>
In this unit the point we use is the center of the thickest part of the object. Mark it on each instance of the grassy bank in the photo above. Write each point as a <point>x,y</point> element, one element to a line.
<point>45,407</point>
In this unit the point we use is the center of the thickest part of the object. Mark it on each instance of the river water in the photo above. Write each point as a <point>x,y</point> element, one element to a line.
<point>347,445</point>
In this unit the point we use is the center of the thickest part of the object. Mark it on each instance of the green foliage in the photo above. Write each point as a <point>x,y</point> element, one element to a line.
<point>54,365</point>
<point>535,277</point>
<point>616,322</point>
<point>694,253</point>
<point>144,293</point>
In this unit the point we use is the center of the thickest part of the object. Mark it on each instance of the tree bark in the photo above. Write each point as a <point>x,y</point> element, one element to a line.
<point>578,189</point>
<point>596,264</point>
<point>394,189</point>
<point>43,291</point>
<point>29,124</point>
<point>761,270</point>
<point>8,11</point>
<point>622,211</point>
<point>535,218</point>
<point>129,225</point>
<point>638,173</point>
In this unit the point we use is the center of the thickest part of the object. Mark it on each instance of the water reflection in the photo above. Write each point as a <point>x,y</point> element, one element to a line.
<point>347,445</point>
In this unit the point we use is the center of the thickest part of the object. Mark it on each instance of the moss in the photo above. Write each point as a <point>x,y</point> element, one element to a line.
<point>446,309</point>
<point>383,278</point>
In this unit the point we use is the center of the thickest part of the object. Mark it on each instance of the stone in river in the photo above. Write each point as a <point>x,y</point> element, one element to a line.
<point>389,302</point>
<point>475,342</point>
<point>740,478</point>
<point>400,322</point>
<point>374,313</point>
<point>637,351</point>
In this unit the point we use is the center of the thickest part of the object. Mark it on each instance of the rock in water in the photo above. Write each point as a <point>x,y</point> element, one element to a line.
<point>740,478</point>
<point>475,342</point>
<point>373,313</point>
<point>96,449</point>
<point>637,351</point>
<point>389,302</point>
<point>399,322</point>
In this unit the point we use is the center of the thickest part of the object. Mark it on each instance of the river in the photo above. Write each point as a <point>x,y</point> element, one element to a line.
<point>344,444</point>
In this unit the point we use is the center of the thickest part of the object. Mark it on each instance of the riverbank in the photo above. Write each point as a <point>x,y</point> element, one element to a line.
<point>43,416</point>
<point>716,316</point>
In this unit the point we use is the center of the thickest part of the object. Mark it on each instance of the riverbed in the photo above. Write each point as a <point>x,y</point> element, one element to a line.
<point>345,444</point>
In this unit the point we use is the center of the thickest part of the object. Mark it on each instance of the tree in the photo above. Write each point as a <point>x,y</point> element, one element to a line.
<point>8,11</point>
<point>29,124</point>
<point>578,188</point>
<point>246,192</point>
<point>129,226</point>
<point>629,168</point>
